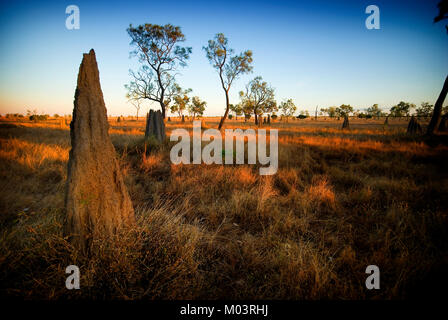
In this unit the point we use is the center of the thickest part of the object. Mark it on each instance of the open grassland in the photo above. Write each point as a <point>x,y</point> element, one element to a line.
<point>341,200</point>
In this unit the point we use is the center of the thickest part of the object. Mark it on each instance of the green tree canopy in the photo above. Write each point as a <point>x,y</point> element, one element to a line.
<point>180,101</point>
<point>259,96</point>
<point>197,107</point>
<point>288,108</point>
<point>237,109</point>
<point>425,110</point>
<point>158,50</point>
<point>374,111</point>
<point>331,111</point>
<point>402,109</point>
<point>344,110</point>
<point>228,65</point>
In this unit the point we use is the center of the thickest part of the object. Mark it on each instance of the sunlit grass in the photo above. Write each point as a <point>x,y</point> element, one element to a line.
<point>341,200</point>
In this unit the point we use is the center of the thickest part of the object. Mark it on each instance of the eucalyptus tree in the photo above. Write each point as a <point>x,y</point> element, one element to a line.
<point>344,110</point>
<point>159,51</point>
<point>197,107</point>
<point>402,109</point>
<point>135,101</point>
<point>425,111</point>
<point>258,97</point>
<point>374,111</point>
<point>288,108</point>
<point>229,66</point>
<point>179,101</point>
<point>237,109</point>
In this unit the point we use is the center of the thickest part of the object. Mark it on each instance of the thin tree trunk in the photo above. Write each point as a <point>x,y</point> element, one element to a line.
<point>436,116</point>
<point>221,123</point>
<point>162,106</point>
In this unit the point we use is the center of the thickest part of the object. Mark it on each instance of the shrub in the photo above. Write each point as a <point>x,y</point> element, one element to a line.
<point>14,115</point>
<point>36,117</point>
<point>365,116</point>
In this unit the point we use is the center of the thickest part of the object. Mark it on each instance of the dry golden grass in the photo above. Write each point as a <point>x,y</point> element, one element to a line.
<point>341,200</point>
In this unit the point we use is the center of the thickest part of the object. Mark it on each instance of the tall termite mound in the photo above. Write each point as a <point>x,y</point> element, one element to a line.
<point>155,126</point>
<point>97,202</point>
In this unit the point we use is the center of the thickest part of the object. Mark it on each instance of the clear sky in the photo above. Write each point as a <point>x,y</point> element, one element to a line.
<point>315,52</point>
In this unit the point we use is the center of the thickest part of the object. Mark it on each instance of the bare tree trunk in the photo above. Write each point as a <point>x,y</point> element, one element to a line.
<point>221,123</point>
<point>436,116</point>
<point>162,106</point>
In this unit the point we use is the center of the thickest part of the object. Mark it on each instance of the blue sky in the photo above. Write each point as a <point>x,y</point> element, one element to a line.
<point>316,52</point>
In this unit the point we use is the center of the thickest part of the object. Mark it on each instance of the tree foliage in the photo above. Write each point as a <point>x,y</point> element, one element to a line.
<point>180,101</point>
<point>443,12</point>
<point>402,109</point>
<point>258,97</point>
<point>157,49</point>
<point>288,108</point>
<point>374,111</point>
<point>344,110</point>
<point>237,109</point>
<point>330,111</point>
<point>197,107</point>
<point>425,110</point>
<point>228,65</point>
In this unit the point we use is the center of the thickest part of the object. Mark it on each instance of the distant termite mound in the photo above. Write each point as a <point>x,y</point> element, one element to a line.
<point>97,202</point>
<point>413,126</point>
<point>345,124</point>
